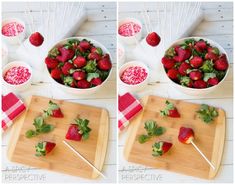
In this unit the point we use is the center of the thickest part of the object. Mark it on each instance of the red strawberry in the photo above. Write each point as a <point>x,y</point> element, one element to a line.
<point>56,73</point>
<point>195,75</point>
<point>44,147</point>
<point>213,81</point>
<point>85,45</point>
<point>196,62</point>
<point>93,49</point>
<point>201,45</point>
<point>80,49</point>
<point>182,54</point>
<point>51,63</point>
<point>66,68</point>
<point>83,84</point>
<point>96,81</point>
<point>186,135</point>
<point>104,64</point>
<point>79,61</point>
<point>183,68</point>
<point>160,148</point>
<point>53,110</point>
<point>170,110</point>
<point>221,64</point>
<point>211,56</point>
<point>36,39</point>
<point>173,74</point>
<point>153,39</point>
<point>65,54</point>
<point>78,130</point>
<point>79,75</point>
<point>200,84</point>
<point>94,56</point>
<point>168,63</point>
<point>213,50</point>
<point>69,81</point>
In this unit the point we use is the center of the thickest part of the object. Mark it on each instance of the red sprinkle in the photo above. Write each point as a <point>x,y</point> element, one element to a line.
<point>134,75</point>
<point>12,29</point>
<point>17,75</point>
<point>129,29</point>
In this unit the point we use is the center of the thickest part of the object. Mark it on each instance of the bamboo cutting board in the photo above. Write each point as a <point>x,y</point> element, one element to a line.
<point>61,159</point>
<point>181,158</point>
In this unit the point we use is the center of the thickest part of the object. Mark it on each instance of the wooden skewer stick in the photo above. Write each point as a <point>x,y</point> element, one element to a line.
<point>84,159</point>
<point>195,146</point>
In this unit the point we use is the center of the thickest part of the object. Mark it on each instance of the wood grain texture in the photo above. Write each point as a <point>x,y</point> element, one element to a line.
<point>61,159</point>
<point>181,158</point>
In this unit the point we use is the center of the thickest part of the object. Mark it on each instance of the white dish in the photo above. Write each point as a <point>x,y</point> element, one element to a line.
<point>137,87</point>
<point>121,54</point>
<point>4,54</point>
<point>193,91</point>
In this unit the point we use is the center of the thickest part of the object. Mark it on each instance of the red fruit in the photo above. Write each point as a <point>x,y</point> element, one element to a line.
<point>79,61</point>
<point>51,63</point>
<point>83,84</point>
<point>36,39</point>
<point>186,135</point>
<point>174,113</point>
<point>104,64</point>
<point>195,75</point>
<point>66,68</point>
<point>168,63</point>
<point>196,62</point>
<point>57,113</point>
<point>186,81</point>
<point>166,146</point>
<point>65,54</point>
<point>85,45</point>
<point>79,75</point>
<point>93,49</point>
<point>213,81</point>
<point>81,49</point>
<point>73,133</point>
<point>54,110</point>
<point>161,147</point>
<point>69,81</point>
<point>201,45</point>
<point>96,81</point>
<point>94,56</point>
<point>182,54</point>
<point>183,68</point>
<point>170,110</point>
<point>56,73</point>
<point>211,56</point>
<point>200,84</point>
<point>221,64</point>
<point>43,148</point>
<point>173,74</point>
<point>153,39</point>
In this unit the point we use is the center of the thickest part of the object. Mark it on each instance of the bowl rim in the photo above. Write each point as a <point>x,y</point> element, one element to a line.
<point>134,63</point>
<point>93,42</point>
<point>121,21</point>
<point>16,20</point>
<point>213,43</point>
<point>13,64</point>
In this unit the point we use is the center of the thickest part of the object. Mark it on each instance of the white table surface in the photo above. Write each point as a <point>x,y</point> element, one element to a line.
<point>217,26</point>
<point>101,26</point>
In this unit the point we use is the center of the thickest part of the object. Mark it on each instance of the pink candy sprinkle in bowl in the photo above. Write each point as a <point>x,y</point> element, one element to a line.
<point>125,30</point>
<point>135,82</point>
<point>13,30</point>
<point>17,83</point>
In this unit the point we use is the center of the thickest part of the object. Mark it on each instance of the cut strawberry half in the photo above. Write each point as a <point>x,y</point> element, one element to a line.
<point>53,110</point>
<point>44,147</point>
<point>170,110</point>
<point>160,148</point>
<point>186,135</point>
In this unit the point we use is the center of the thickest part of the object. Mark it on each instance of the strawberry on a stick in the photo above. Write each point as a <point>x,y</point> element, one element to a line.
<point>170,110</point>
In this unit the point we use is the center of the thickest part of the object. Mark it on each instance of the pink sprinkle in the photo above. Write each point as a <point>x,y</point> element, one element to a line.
<point>129,29</point>
<point>12,29</point>
<point>134,75</point>
<point>17,75</point>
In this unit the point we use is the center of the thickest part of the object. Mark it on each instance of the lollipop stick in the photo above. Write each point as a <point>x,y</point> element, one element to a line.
<point>212,166</point>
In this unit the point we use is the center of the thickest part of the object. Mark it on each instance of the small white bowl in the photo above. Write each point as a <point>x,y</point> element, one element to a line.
<point>137,87</point>
<point>194,91</point>
<point>131,39</point>
<point>14,39</point>
<point>20,87</point>
<point>77,91</point>
<point>4,54</point>
<point>121,54</point>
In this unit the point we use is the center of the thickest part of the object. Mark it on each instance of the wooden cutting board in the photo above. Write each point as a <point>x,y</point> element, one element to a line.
<point>181,158</point>
<point>61,159</point>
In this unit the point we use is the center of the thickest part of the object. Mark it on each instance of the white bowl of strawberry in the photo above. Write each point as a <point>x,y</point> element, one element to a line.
<point>79,65</point>
<point>195,65</point>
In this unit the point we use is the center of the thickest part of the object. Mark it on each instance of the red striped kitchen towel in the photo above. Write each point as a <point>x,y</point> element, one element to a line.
<point>128,107</point>
<point>12,107</point>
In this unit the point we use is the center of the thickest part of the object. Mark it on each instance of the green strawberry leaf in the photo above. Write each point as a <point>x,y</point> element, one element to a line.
<point>207,76</point>
<point>207,113</point>
<point>30,133</point>
<point>90,76</point>
<point>90,66</point>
